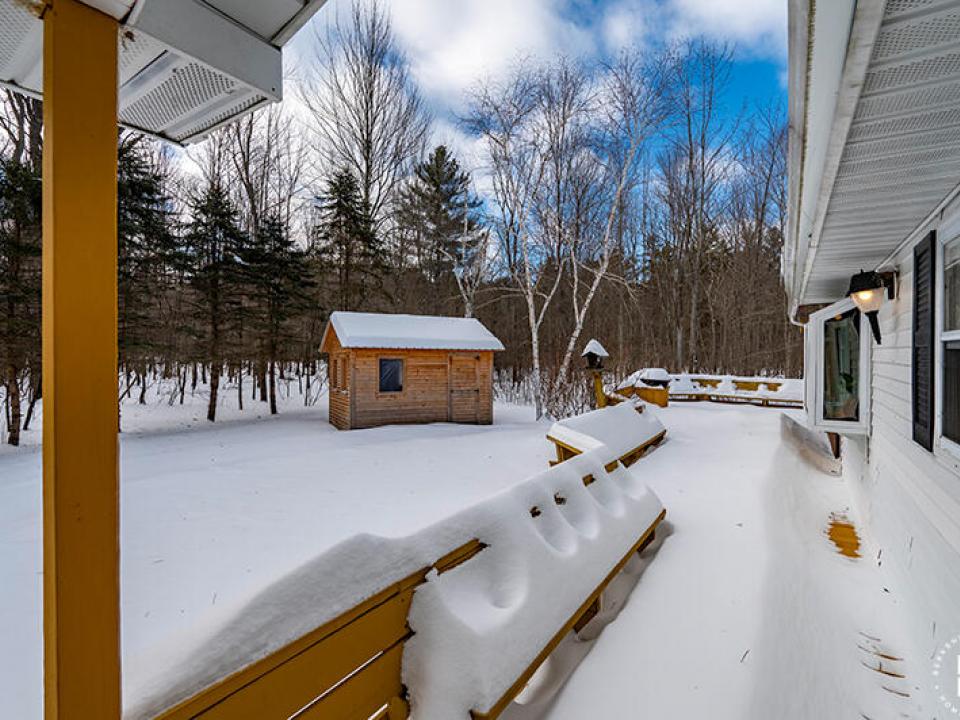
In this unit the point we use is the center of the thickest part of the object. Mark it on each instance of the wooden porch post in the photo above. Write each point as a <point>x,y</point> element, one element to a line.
<point>81,579</point>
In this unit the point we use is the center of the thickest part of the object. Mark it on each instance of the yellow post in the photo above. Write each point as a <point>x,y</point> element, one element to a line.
<point>81,578</point>
<point>598,393</point>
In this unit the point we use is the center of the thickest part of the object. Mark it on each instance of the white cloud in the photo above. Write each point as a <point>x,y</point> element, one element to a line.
<point>452,45</point>
<point>757,27</point>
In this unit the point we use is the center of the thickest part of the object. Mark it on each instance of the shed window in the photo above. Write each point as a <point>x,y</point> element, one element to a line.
<point>391,375</point>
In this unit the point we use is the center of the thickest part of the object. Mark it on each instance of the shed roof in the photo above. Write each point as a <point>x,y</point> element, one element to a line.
<point>414,332</point>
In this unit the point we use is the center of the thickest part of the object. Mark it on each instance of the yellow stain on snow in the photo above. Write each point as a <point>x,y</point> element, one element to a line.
<point>844,535</point>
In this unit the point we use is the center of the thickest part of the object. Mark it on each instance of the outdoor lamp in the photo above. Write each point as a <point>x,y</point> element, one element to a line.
<point>867,292</point>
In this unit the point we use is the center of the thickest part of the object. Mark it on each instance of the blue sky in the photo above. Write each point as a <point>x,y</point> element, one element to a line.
<point>454,43</point>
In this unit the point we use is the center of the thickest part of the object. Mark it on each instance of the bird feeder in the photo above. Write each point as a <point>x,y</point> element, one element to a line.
<point>594,353</point>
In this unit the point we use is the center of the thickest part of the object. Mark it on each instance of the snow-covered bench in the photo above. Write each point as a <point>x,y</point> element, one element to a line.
<point>623,434</point>
<point>377,621</point>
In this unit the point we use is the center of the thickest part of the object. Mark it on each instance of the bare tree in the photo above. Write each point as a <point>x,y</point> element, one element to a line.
<point>634,105</point>
<point>506,115</point>
<point>368,116</point>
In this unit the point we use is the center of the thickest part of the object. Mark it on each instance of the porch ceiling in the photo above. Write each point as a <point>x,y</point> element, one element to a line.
<point>901,155</point>
<point>185,66</point>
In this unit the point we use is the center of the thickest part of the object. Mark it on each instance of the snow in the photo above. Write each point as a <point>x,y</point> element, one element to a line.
<point>423,332</point>
<point>596,348</point>
<point>214,517</point>
<point>745,611</point>
<point>684,385</point>
<point>480,626</point>
<point>240,535</point>
<point>654,374</point>
<point>620,427</point>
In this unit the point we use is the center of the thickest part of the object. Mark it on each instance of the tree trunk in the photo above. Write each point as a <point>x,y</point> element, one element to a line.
<point>13,396</point>
<point>214,389</point>
<point>35,394</point>
<point>273,388</point>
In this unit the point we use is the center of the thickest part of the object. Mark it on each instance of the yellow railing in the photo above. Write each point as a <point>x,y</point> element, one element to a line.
<point>347,669</point>
<point>350,668</point>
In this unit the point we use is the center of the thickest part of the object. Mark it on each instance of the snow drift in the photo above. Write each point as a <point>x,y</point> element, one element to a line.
<point>477,626</point>
<point>619,427</point>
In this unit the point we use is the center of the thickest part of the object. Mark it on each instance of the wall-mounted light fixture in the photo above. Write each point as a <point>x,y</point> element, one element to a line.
<point>868,290</point>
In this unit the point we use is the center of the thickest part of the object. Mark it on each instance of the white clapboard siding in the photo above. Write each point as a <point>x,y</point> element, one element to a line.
<point>910,498</point>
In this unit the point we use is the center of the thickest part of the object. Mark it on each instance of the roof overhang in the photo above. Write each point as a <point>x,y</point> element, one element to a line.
<point>185,66</point>
<point>874,134</point>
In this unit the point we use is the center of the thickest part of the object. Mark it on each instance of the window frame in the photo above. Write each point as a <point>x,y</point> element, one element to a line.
<point>403,376</point>
<point>943,446</point>
<point>813,362</point>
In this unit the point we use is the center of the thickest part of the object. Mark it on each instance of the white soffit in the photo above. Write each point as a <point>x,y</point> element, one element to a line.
<point>901,155</point>
<point>185,66</point>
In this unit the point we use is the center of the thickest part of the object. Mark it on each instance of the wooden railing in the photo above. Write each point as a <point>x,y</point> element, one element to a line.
<point>587,610</point>
<point>350,667</point>
<point>347,669</point>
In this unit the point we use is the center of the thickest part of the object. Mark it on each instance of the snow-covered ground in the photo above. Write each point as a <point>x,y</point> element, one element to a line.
<point>744,609</point>
<point>214,513</point>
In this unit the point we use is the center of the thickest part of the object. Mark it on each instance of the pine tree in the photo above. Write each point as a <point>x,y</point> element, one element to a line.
<point>279,289</point>
<point>346,241</point>
<point>145,243</point>
<point>20,210</point>
<point>213,244</point>
<point>439,208</point>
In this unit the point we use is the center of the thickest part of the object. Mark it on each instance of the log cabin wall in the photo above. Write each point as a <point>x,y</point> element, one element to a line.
<point>339,370</point>
<point>438,386</point>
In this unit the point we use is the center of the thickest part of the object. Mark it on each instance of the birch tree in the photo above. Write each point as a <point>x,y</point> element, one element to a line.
<point>633,105</point>
<point>506,115</point>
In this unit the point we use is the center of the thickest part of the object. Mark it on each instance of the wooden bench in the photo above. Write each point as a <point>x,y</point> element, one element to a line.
<point>586,612</point>
<point>628,435</point>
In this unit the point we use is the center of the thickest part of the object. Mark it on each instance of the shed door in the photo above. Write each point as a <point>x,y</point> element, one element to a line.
<point>464,388</point>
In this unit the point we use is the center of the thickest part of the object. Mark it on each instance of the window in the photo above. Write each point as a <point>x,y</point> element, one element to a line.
<point>950,340</point>
<point>837,362</point>
<point>391,375</point>
<point>951,391</point>
<point>841,366</point>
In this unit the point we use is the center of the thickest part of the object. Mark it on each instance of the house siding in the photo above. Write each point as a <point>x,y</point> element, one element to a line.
<point>909,497</point>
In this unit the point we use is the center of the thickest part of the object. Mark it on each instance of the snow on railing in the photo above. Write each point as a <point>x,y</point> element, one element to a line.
<point>530,565</point>
<point>764,391</point>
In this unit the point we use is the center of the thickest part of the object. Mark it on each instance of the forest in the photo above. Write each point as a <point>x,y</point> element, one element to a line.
<point>622,200</point>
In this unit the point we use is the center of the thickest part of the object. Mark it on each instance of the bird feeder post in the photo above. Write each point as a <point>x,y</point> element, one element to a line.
<point>594,354</point>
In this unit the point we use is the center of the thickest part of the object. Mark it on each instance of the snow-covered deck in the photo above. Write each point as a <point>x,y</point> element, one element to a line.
<point>213,514</point>
<point>745,611</point>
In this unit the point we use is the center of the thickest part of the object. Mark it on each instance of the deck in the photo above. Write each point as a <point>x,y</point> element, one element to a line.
<point>742,594</point>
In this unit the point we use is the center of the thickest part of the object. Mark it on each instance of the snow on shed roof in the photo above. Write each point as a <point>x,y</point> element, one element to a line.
<point>420,332</point>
